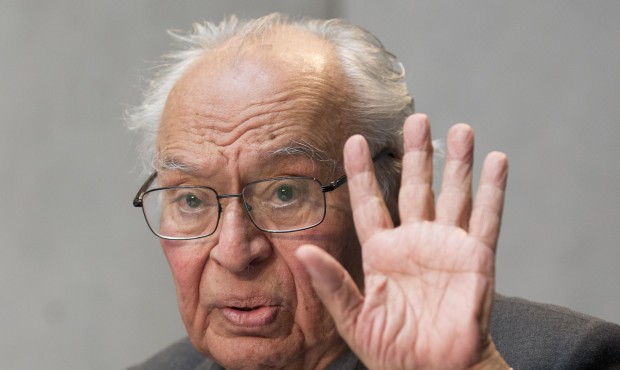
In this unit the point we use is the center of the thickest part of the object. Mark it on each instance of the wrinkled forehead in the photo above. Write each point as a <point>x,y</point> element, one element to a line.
<point>284,94</point>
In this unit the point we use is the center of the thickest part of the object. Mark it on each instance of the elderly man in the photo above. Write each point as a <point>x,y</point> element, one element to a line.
<point>282,261</point>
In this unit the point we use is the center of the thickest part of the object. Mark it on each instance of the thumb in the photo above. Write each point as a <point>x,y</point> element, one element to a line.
<point>335,287</point>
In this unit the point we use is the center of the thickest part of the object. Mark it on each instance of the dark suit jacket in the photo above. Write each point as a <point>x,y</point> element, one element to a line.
<point>528,335</point>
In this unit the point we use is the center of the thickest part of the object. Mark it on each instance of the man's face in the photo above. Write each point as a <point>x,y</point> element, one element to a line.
<point>244,298</point>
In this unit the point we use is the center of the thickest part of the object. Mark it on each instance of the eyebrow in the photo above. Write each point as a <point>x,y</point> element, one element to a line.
<point>175,163</point>
<point>303,148</point>
<point>295,149</point>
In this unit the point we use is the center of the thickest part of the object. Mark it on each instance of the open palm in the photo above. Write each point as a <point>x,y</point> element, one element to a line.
<point>429,281</point>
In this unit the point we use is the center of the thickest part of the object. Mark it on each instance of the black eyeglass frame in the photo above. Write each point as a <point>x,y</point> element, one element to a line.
<point>333,185</point>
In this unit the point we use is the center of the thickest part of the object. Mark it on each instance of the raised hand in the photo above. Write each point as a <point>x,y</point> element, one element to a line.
<point>429,282</point>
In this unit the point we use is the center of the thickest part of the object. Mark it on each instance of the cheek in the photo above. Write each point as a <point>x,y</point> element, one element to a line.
<point>310,314</point>
<point>186,260</point>
<point>337,236</point>
<point>344,246</point>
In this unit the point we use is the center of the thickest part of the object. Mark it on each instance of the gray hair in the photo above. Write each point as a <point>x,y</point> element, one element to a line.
<point>379,101</point>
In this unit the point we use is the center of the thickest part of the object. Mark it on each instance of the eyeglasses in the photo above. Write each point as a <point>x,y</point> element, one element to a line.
<point>274,205</point>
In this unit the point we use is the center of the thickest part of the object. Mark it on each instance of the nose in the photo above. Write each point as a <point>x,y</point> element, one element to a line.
<point>240,244</point>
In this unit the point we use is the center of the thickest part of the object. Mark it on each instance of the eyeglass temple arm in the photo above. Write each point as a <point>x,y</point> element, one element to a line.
<point>343,179</point>
<point>334,184</point>
<point>137,200</point>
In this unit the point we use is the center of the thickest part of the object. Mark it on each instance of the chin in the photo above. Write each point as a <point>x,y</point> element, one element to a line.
<point>256,352</point>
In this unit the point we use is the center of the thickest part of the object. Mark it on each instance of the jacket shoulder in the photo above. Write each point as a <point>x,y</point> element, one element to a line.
<point>533,335</point>
<point>180,355</point>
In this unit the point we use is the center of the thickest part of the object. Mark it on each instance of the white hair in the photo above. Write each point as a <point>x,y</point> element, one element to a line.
<point>378,104</point>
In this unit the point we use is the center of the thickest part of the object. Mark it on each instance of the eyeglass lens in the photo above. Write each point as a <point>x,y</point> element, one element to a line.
<point>274,205</point>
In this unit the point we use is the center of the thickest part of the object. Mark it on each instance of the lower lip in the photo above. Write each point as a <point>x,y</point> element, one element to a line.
<point>258,317</point>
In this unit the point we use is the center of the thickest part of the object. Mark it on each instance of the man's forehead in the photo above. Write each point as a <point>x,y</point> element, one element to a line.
<point>263,106</point>
<point>294,151</point>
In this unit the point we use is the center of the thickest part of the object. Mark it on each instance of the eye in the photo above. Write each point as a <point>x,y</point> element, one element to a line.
<point>192,201</point>
<point>285,193</point>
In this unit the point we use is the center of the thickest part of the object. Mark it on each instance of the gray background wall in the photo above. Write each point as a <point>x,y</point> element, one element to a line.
<point>83,285</point>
